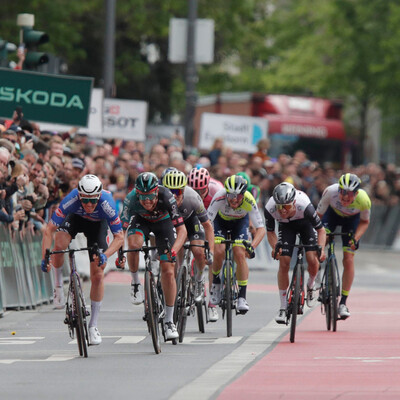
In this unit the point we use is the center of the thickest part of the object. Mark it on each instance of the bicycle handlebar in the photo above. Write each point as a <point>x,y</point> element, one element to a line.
<point>246,243</point>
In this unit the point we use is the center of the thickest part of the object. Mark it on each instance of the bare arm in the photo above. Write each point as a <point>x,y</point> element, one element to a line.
<point>117,242</point>
<point>48,237</point>
<point>259,235</point>
<point>209,234</point>
<point>181,237</point>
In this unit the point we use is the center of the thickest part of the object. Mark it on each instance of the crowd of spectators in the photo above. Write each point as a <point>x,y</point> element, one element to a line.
<point>38,168</point>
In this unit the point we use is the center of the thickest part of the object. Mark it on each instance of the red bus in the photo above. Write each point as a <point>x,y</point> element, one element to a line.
<point>311,124</point>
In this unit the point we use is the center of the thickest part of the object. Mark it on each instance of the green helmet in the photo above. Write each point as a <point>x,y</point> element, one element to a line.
<point>146,182</point>
<point>245,176</point>
<point>349,182</point>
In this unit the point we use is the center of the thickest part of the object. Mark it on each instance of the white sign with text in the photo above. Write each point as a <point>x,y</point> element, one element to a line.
<point>240,133</point>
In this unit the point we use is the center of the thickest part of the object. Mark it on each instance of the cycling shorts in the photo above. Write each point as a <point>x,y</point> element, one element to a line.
<point>331,220</point>
<point>195,230</point>
<point>287,233</point>
<point>239,228</point>
<point>95,231</point>
<point>163,230</point>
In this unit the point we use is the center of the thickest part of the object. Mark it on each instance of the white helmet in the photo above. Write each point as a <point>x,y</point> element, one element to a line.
<point>90,185</point>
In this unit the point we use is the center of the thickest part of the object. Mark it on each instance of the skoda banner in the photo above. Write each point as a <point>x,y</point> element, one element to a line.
<point>48,98</point>
<point>238,132</point>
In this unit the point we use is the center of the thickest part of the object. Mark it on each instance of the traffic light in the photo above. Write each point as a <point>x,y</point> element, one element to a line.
<point>5,48</point>
<point>32,39</point>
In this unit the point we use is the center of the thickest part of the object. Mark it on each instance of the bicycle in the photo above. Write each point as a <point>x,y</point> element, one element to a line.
<point>154,302</point>
<point>75,306</point>
<point>229,286</point>
<point>329,291</point>
<point>185,303</point>
<point>295,295</point>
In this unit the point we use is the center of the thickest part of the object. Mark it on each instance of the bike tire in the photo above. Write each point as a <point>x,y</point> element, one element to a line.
<point>295,300</point>
<point>151,305</point>
<point>180,314</point>
<point>228,297</point>
<point>200,316</point>
<point>79,321</point>
<point>334,294</point>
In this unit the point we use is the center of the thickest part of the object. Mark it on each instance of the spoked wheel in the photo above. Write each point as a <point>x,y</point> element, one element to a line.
<point>327,307</point>
<point>333,294</point>
<point>295,302</point>
<point>228,298</point>
<point>180,312</point>
<point>79,319</point>
<point>151,306</point>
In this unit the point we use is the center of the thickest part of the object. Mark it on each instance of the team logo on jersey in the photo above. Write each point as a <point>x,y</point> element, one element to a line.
<point>116,221</point>
<point>59,213</point>
<point>107,208</point>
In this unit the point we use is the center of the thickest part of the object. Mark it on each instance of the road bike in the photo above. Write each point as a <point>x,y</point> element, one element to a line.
<point>185,303</point>
<point>154,301</point>
<point>75,306</point>
<point>229,286</point>
<point>295,294</point>
<point>329,291</point>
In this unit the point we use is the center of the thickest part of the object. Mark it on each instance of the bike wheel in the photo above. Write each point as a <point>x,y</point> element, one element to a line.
<point>200,316</point>
<point>151,306</point>
<point>228,298</point>
<point>334,293</point>
<point>180,312</point>
<point>79,319</point>
<point>295,301</point>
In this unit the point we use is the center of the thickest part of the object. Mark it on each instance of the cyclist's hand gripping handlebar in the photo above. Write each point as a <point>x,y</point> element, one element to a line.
<point>277,251</point>
<point>120,261</point>
<point>353,242</point>
<point>45,262</point>
<point>249,248</point>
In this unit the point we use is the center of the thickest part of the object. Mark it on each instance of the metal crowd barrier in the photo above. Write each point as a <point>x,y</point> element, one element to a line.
<point>22,283</point>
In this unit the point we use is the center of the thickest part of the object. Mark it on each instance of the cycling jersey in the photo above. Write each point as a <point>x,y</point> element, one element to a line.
<point>220,206</point>
<point>165,208</point>
<point>361,204</point>
<point>213,187</point>
<point>192,204</point>
<point>105,210</point>
<point>304,210</point>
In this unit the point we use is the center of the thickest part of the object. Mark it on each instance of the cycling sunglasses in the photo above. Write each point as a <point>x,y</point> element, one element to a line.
<point>176,192</point>
<point>287,207</point>
<point>234,196</point>
<point>346,192</point>
<point>86,200</point>
<point>147,196</point>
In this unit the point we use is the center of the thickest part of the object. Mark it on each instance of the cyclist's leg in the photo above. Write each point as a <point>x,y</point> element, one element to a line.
<point>348,225</point>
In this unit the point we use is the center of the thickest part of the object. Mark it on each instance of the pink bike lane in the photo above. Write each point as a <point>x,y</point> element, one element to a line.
<point>359,361</point>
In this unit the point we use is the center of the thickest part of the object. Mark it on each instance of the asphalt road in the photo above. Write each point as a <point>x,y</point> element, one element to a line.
<point>41,362</point>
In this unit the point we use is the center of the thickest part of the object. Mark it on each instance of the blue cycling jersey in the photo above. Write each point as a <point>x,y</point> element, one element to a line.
<point>105,209</point>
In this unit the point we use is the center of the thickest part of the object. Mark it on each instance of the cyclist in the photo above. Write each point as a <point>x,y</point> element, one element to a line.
<point>294,212</point>
<point>199,179</point>
<point>348,206</point>
<point>91,210</point>
<point>196,220</point>
<point>152,208</point>
<point>230,210</point>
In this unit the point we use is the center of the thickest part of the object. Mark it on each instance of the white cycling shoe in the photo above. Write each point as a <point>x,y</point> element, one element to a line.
<point>94,336</point>
<point>58,298</point>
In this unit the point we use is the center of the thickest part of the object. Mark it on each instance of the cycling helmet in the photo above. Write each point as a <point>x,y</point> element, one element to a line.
<point>146,182</point>
<point>235,184</point>
<point>174,180</point>
<point>284,193</point>
<point>198,178</point>
<point>90,185</point>
<point>245,176</point>
<point>166,170</point>
<point>349,182</point>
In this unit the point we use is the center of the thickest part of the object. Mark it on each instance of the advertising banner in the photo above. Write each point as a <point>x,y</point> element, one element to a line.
<point>240,133</point>
<point>48,98</point>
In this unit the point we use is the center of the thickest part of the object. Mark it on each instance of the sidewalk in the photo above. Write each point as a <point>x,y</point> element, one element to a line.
<point>359,361</point>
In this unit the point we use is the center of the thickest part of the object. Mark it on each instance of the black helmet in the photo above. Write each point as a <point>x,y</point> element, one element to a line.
<point>146,182</point>
<point>284,193</point>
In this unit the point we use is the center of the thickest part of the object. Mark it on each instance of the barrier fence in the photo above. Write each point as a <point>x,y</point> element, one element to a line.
<point>22,283</point>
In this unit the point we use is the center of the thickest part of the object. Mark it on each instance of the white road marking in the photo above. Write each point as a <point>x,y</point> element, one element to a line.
<point>19,340</point>
<point>211,340</point>
<point>121,339</point>
<point>217,376</point>
<point>52,358</point>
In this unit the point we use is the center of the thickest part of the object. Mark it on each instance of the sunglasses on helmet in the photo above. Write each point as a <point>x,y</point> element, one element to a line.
<point>287,207</point>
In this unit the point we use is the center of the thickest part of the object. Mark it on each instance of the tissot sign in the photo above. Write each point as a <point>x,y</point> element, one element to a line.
<point>47,98</point>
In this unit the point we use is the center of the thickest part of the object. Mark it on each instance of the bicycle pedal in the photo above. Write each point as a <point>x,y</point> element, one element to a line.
<point>144,317</point>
